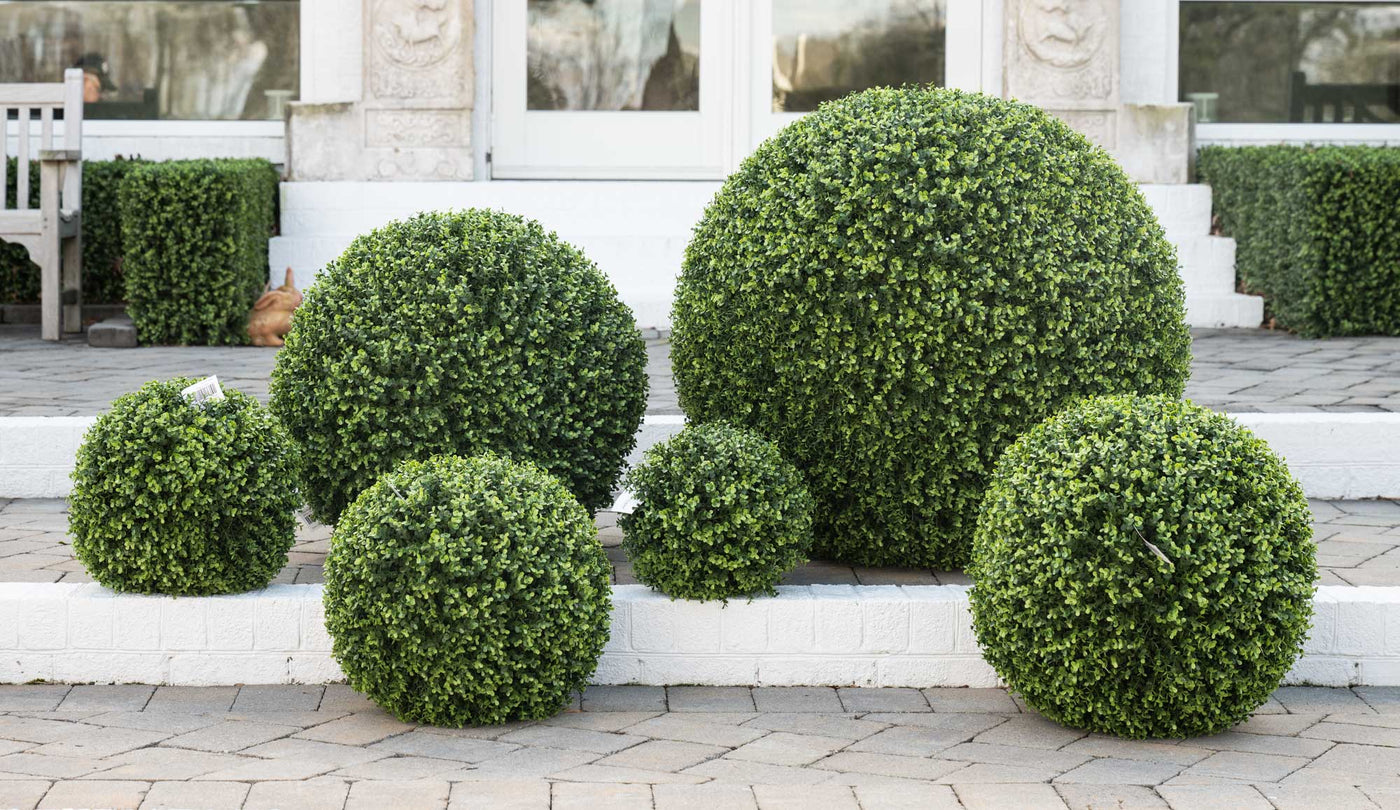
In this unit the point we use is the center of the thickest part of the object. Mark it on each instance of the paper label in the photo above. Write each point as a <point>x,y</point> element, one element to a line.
<point>206,390</point>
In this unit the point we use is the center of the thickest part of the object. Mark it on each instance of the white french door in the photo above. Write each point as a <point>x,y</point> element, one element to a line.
<point>684,89</point>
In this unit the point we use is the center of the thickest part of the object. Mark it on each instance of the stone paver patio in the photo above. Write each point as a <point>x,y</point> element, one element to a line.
<point>1237,370</point>
<point>671,748</point>
<point>1358,544</point>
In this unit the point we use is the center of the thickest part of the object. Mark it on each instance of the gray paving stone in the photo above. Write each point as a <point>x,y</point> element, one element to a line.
<point>971,700</point>
<point>252,769</point>
<point>438,746</point>
<point>805,797</point>
<point>503,795</point>
<point>1344,757</point>
<point>32,697</point>
<point>533,763</point>
<point>1279,724</point>
<point>734,771</point>
<point>425,794</point>
<point>615,774</point>
<point>1121,772</point>
<point>783,748</point>
<point>1110,797</point>
<point>663,755</point>
<point>624,698</point>
<point>1029,731</point>
<point>1246,766</point>
<point>1384,699</point>
<point>403,768</point>
<point>823,725</point>
<point>1353,733</point>
<point>113,795</point>
<point>592,721</point>
<point>684,728</point>
<point>1058,761</point>
<point>269,698</point>
<point>52,767</point>
<point>316,794</point>
<point>992,773</point>
<point>100,741</point>
<point>1321,700</point>
<point>205,699</point>
<point>356,729</point>
<point>888,765</point>
<point>36,730</point>
<point>572,738</point>
<point>1271,744</point>
<point>1213,797</point>
<point>703,797</point>
<point>914,796</point>
<point>796,699</point>
<point>998,797</point>
<point>110,697</point>
<point>291,748</point>
<point>22,794</point>
<point>882,700</point>
<point>154,720</point>
<point>569,796</point>
<point>230,735</point>
<point>1291,797</point>
<point>709,699</point>
<point>185,795</point>
<point>160,764</point>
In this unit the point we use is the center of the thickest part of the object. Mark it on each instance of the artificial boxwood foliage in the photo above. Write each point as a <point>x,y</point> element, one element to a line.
<point>1142,567</point>
<point>194,238</point>
<point>719,514</point>
<point>102,241</point>
<point>1315,231</point>
<point>467,592</point>
<point>183,499</point>
<point>460,333</point>
<point>896,285</point>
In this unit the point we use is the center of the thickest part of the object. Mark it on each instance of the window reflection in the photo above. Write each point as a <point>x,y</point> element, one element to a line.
<point>199,59</point>
<point>1258,62</point>
<point>613,55</point>
<point>825,49</point>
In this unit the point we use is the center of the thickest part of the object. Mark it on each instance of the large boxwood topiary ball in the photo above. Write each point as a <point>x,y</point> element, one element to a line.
<point>467,591</point>
<point>177,498</point>
<point>897,285</point>
<point>460,333</point>
<point>1143,567</point>
<point>719,514</point>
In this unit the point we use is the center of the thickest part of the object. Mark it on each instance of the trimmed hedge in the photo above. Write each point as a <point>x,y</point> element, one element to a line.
<point>175,498</point>
<point>1143,567</point>
<point>467,591</point>
<point>897,285</point>
<point>194,239</point>
<point>1315,231</point>
<point>719,514</point>
<point>461,333</point>
<point>102,241</point>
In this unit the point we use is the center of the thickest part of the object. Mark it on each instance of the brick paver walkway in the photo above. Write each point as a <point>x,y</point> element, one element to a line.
<point>1239,370</point>
<point>620,748</point>
<point>1358,544</point>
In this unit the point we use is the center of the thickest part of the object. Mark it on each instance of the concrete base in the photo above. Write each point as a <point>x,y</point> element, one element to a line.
<point>113,333</point>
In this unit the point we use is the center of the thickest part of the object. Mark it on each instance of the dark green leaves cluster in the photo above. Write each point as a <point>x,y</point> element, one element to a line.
<point>1315,231</point>
<point>460,333</point>
<point>1142,567</point>
<point>175,498</point>
<point>719,514</point>
<point>896,286</point>
<point>102,241</point>
<point>467,591</point>
<point>194,237</point>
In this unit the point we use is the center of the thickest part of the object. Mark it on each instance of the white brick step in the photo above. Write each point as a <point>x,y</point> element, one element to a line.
<point>1223,310</point>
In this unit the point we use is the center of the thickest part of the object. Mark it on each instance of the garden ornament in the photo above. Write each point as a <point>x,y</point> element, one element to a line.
<point>271,318</point>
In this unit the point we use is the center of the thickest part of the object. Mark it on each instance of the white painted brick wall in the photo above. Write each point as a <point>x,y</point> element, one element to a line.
<point>844,635</point>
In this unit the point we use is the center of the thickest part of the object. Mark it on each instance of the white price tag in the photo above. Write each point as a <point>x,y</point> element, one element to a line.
<point>206,390</point>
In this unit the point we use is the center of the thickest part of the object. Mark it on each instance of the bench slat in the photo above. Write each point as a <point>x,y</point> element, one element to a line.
<point>22,170</point>
<point>32,94</point>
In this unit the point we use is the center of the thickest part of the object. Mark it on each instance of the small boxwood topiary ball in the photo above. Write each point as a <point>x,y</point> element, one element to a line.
<point>897,285</point>
<point>1143,567</point>
<point>176,498</point>
<point>467,592</point>
<point>460,333</point>
<point>719,514</point>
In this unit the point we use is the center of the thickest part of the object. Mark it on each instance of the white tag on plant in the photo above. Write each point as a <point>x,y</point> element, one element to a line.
<point>206,390</point>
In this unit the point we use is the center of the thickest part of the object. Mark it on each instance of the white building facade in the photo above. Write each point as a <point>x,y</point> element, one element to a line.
<point>614,121</point>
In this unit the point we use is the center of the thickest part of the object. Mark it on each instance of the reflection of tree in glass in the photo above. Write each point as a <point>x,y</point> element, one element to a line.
<point>826,49</point>
<point>1247,52</point>
<point>613,55</point>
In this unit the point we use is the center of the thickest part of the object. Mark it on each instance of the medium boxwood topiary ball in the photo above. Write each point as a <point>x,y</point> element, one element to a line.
<point>719,514</point>
<point>1143,567</point>
<point>897,285</point>
<point>460,333</point>
<point>467,592</point>
<point>183,499</point>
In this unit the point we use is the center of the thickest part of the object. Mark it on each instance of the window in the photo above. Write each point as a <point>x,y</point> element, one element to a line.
<point>1291,62</point>
<point>156,59</point>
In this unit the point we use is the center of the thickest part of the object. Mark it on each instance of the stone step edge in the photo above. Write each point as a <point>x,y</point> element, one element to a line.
<point>815,635</point>
<point>1333,455</point>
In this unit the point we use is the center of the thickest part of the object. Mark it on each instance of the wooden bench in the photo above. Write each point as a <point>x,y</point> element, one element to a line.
<point>1348,103</point>
<point>52,231</point>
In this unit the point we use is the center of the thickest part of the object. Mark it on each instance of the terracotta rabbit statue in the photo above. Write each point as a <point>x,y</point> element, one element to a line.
<point>271,318</point>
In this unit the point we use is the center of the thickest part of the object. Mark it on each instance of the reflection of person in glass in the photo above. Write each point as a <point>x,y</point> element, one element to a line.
<point>96,80</point>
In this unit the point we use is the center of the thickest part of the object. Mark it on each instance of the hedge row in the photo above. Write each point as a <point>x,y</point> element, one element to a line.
<point>194,238</point>
<point>1315,231</point>
<point>102,239</point>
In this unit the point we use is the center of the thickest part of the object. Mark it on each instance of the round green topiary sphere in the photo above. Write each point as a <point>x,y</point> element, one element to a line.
<point>1143,567</point>
<point>467,592</point>
<point>719,514</point>
<point>897,285</point>
<point>176,498</point>
<point>460,333</point>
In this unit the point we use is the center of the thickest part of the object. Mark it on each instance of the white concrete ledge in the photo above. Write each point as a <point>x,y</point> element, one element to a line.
<point>1334,455</point>
<point>820,635</point>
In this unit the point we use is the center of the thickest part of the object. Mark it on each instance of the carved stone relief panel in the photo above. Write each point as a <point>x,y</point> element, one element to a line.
<point>419,52</point>
<point>1062,54</point>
